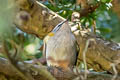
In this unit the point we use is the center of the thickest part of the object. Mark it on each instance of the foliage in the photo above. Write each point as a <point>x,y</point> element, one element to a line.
<point>14,37</point>
<point>107,22</point>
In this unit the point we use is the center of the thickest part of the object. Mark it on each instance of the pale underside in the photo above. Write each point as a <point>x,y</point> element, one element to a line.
<point>61,49</point>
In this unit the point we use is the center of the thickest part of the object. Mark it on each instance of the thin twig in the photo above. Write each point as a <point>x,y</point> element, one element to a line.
<point>53,3</point>
<point>94,26</point>
<point>84,56</point>
<point>115,71</point>
<point>14,64</point>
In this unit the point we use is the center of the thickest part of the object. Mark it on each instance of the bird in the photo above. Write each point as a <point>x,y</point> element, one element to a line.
<point>60,47</point>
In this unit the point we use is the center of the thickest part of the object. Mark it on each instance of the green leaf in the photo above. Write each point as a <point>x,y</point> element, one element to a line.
<point>109,1</point>
<point>106,1</point>
<point>105,30</point>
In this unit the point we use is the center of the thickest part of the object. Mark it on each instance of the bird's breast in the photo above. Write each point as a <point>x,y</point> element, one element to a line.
<point>61,49</point>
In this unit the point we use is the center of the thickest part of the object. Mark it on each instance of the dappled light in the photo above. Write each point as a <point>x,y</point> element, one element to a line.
<point>59,40</point>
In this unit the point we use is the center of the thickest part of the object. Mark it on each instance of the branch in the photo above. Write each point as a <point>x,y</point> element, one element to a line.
<point>41,20</point>
<point>89,9</point>
<point>36,18</point>
<point>86,8</point>
<point>116,6</point>
<point>100,53</point>
<point>60,75</point>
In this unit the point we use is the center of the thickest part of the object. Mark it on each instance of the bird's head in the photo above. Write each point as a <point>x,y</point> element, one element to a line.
<point>52,33</point>
<point>58,26</point>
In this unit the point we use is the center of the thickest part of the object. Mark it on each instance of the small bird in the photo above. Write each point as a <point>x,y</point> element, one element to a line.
<point>60,47</point>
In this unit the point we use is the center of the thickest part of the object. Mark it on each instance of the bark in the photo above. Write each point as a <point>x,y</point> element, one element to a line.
<point>36,18</point>
<point>116,7</point>
<point>101,55</point>
<point>38,73</point>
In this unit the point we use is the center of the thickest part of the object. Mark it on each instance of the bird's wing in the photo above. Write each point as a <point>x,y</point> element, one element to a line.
<point>45,45</point>
<point>44,49</point>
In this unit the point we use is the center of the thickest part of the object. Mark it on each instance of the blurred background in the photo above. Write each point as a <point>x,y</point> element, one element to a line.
<point>106,17</point>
